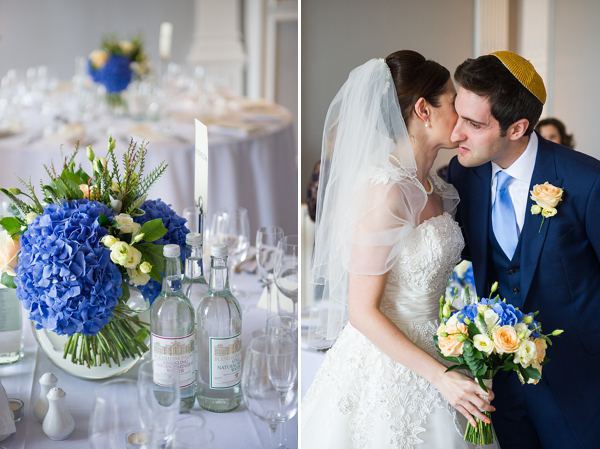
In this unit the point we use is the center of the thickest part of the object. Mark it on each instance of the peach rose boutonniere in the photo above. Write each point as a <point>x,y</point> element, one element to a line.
<point>546,197</point>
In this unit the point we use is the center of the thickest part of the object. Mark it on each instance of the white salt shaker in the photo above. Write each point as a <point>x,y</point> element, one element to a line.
<point>58,423</point>
<point>47,382</point>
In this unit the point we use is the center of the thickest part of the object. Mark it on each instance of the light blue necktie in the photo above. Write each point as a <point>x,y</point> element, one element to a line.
<point>504,221</point>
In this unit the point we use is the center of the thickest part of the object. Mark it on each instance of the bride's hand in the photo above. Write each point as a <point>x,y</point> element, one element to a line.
<point>465,395</point>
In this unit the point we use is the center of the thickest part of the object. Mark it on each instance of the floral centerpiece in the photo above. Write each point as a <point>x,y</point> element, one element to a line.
<point>489,335</point>
<point>74,253</point>
<point>115,64</point>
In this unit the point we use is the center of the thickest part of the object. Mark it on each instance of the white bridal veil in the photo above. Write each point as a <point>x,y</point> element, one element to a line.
<point>369,198</point>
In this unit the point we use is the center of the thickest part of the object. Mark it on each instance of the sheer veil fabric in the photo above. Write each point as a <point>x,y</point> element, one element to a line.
<point>362,224</point>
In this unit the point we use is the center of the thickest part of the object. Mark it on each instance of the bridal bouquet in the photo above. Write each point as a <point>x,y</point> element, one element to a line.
<point>78,248</point>
<point>489,335</point>
<point>115,63</point>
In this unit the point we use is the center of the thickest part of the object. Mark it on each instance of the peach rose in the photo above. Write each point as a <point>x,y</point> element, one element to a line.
<point>546,195</point>
<point>505,339</point>
<point>9,248</point>
<point>451,346</point>
<point>540,350</point>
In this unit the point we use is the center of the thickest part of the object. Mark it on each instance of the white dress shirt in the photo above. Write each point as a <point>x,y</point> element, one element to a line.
<point>521,170</point>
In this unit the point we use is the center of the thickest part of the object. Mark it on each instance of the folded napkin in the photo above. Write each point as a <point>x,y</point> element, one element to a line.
<point>279,302</point>
<point>7,420</point>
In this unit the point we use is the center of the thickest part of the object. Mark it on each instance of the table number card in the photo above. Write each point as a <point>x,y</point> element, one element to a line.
<point>201,173</point>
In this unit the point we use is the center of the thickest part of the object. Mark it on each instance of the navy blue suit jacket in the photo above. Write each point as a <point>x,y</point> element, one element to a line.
<point>560,272</point>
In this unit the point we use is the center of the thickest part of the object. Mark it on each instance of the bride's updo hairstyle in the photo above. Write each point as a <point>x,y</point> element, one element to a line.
<point>416,77</point>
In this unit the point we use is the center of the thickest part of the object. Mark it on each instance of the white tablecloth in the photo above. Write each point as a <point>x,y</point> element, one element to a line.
<point>257,171</point>
<point>234,430</point>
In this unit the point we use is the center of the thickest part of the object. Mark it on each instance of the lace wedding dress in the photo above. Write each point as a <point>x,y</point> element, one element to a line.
<point>361,398</point>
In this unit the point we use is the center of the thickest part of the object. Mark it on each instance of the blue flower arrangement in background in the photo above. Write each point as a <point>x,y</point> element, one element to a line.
<point>175,235</point>
<point>83,244</point>
<point>116,63</point>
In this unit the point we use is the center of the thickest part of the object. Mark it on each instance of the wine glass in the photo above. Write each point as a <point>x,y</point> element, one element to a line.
<point>267,239</point>
<point>286,269</point>
<point>283,323</point>
<point>269,383</point>
<point>116,422</point>
<point>232,228</point>
<point>159,401</point>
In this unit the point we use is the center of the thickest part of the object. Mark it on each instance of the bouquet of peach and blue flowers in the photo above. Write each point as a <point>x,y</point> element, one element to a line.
<point>78,248</point>
<point>488,335</point>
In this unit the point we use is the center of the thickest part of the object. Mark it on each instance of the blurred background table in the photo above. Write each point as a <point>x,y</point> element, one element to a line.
<point>252,163</point>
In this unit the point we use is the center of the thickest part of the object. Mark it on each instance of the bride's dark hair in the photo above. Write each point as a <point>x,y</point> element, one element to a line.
<point>415,77</point>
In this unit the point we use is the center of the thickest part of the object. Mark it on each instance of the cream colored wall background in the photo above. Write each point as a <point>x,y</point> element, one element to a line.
<point>338,35</point>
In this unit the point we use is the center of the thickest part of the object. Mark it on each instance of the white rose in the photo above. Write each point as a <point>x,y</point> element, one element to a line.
<point>491,319</point>
<point>483,343</point>
<point>145,267</point>
<point>526,353</point>
<point>126,224</point>
<point>134,258</point>
<point>137,277</point>
<point>109,241</point>
<point>523,331</point>
<point>9,249</point>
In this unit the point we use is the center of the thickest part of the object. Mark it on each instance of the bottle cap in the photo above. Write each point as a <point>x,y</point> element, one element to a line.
<point>218,250</point>
<point>193,238</point>
<point>171,251</point>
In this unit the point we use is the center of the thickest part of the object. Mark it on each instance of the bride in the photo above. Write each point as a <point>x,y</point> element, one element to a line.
<point>385,246</point>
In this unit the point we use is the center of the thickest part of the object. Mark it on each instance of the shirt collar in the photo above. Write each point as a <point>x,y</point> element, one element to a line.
<point>522,168</point>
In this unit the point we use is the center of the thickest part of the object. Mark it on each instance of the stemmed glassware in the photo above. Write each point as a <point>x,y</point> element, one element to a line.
<point>232,228</point>
<point>159,404</point>
<point>267,239</point>
<point>269,381</point>
<point>286,268</point>
<point>116,421</point>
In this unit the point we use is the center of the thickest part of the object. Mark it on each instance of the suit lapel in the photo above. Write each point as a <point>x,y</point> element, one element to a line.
<point>480,216</point>
<point>532,236</point>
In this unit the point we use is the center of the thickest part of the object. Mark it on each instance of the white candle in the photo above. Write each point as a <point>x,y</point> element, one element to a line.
<point>201,169</point>
<point>164,41</point>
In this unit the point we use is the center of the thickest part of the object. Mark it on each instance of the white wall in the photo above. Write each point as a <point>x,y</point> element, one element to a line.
<point>338,35</point>
<point>576,71</point>
<point>55,32</point>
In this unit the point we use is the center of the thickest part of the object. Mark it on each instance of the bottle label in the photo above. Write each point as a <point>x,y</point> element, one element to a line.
<point>170,355</point>
<point>225,361</point>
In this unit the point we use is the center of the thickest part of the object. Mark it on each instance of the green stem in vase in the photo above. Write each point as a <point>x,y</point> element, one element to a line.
<point>117,340</point>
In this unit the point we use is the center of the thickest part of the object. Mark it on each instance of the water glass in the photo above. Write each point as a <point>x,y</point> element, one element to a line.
<point>267,238</point>
<point>269,384</point>
<point>286,269</point>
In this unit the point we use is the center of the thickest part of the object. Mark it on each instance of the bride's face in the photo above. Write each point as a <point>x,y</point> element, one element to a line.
<point>443,118</point>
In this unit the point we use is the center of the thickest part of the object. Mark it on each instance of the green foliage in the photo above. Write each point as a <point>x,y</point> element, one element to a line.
<point>154,254</point>
<point>8,281</point>
<point>153,230</point>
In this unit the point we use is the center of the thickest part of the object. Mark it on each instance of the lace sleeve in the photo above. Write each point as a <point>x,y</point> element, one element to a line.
<point>387,213</point>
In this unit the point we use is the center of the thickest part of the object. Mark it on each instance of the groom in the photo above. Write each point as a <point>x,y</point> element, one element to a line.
<point>549,263</point>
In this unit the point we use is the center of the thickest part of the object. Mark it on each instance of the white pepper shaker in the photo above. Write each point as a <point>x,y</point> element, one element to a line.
<point>58,423</point>
<point>47,382</point>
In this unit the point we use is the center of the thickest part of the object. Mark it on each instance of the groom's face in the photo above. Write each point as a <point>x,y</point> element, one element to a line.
<point>477,132</point>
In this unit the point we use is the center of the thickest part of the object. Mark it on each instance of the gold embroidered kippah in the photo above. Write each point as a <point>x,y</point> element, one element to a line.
<point>524,72</point>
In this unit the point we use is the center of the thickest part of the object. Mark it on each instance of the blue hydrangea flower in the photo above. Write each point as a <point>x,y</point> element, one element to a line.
<point>469,311</point>
<point>65,278</point>
<point>116,74</point>
<point>176,232</point>
<point>509,315</point>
